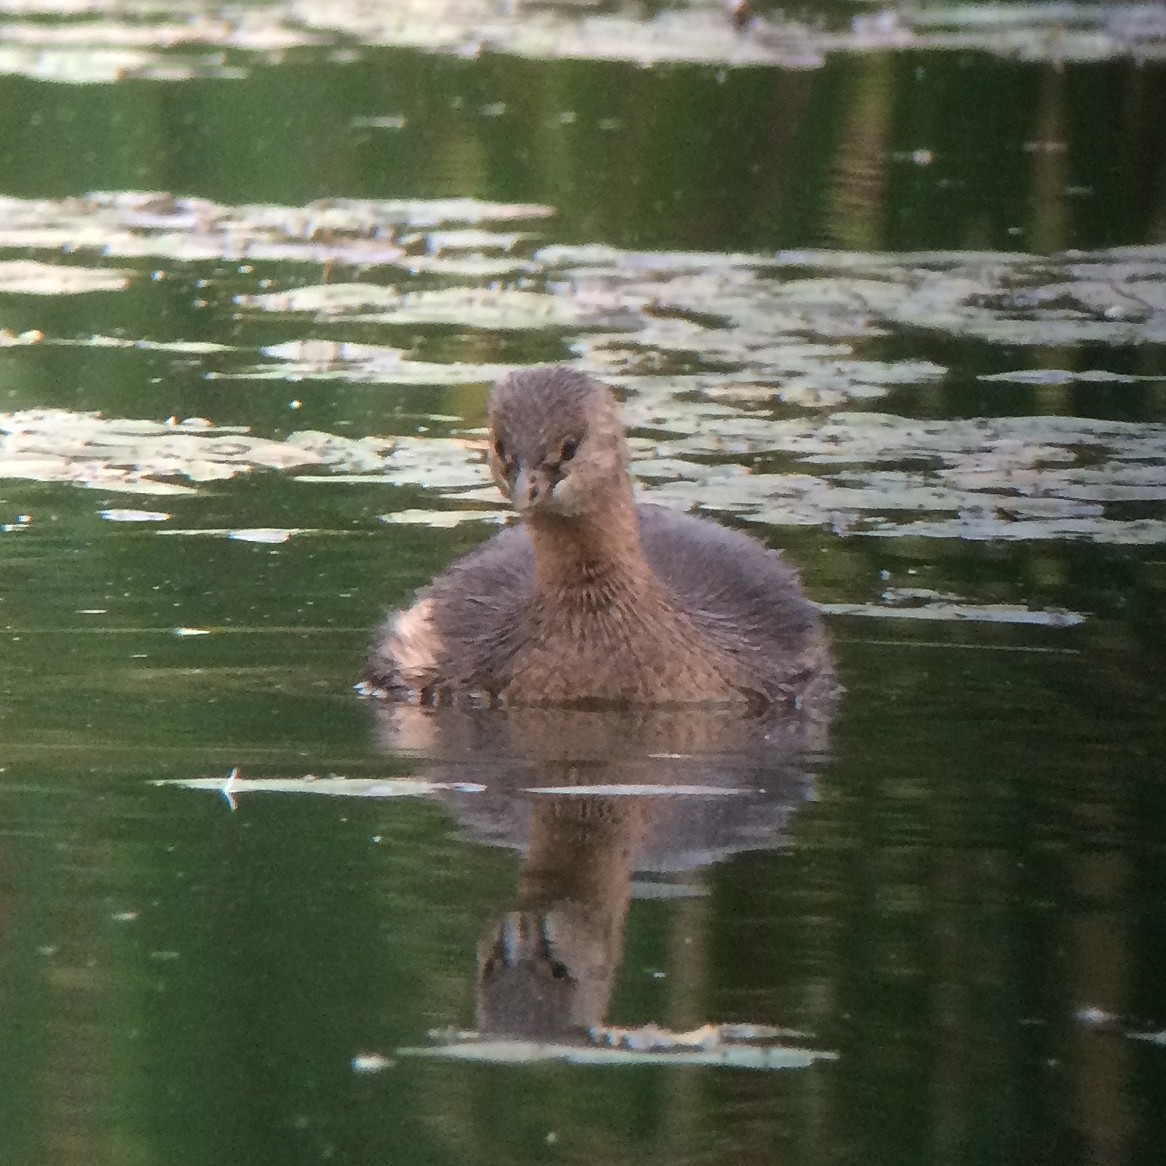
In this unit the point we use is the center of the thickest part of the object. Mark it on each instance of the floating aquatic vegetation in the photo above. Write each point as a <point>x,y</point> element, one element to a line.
<point>978,527</point>
<point>101,41</point>
<point>30,278</point>
<point>1011,478</point>
<point>268,535</point>
<point>134,456</point>
<point>134,515</point>
<point>1065,376</point>
<point>148,457</point>
<point>740,311</point>
<point>9,339</point>
<point>439,463</point>
<point>115,40</point>
<point>1099,1018</point>
<point>787,327</point>
<point>443,518</point>
<point>154,225</point>
<point>729,1046</point>
<point>233,785</point>
<point>932,606</point>
<point>1154,1038</point>
<point>632,790</point>
<point>740,372</point>
<point>493,309</point>
<point>1006,478</point>
<point>178,347</point>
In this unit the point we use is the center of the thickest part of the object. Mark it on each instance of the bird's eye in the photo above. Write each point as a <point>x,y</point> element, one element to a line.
<point>568,449</point>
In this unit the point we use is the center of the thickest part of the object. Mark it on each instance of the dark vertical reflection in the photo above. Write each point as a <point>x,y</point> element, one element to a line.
<point>1049,151</point>
<point>856,200</point>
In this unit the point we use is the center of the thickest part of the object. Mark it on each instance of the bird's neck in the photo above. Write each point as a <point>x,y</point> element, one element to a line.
<point>588,563</point>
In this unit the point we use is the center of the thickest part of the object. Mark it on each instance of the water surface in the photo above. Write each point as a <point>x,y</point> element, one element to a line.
<point>899,313</point>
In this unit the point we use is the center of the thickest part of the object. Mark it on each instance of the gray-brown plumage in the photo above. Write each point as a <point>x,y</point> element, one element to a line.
<point>595,599</point>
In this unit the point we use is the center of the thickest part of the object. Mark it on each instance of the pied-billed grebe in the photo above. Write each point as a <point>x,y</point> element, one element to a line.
<point>595,599</point>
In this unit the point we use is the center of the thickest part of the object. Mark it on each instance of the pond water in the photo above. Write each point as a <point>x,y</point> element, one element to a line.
<point>889,294</point>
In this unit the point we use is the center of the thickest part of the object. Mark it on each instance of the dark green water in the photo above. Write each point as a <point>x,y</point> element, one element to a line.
<point>965,899</point>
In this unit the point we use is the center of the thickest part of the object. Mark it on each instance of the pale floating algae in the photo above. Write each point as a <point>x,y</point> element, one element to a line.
<point>389,121</point>
<point>767,303</point>
<point>793,320</point>
<point>87,65</point>
<point>1105,1021</point>
<point>99,43</point>
<point>1007,478</point>
<point>699,31</point>
<point>438,463</point>
<point>1013,478</point>
<point>108,41</point>
<point>469,266</point>
<point>360,364</point>
<point>124,515</point>
<point>504,1051</point>
<point>443,518</point>
<point>981,527</point>
<point>939,607</point>
<point>330,786</point>
<point>130,455</point>
<point>730,1046</point>
<point>633,790</point>
<point>137,456</point>
<point>737,370</point>
<point>9,339</point>
<point>468,239</point>
<point>494,309</point>
<point>29,277</point>
<point>268,535</point>
<point>1155,1038</point>
<point>255,534</point>
<point>179,347</point>
<point>1065,376</point>
<point>162,226</point>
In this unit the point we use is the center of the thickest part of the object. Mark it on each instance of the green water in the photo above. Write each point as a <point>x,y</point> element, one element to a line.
<point>962,893</point>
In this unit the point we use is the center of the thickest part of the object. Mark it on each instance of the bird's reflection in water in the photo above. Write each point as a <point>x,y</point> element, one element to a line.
<point>594,799</point>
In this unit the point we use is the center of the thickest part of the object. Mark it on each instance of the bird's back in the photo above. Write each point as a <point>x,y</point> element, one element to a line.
<point>741,595</point>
